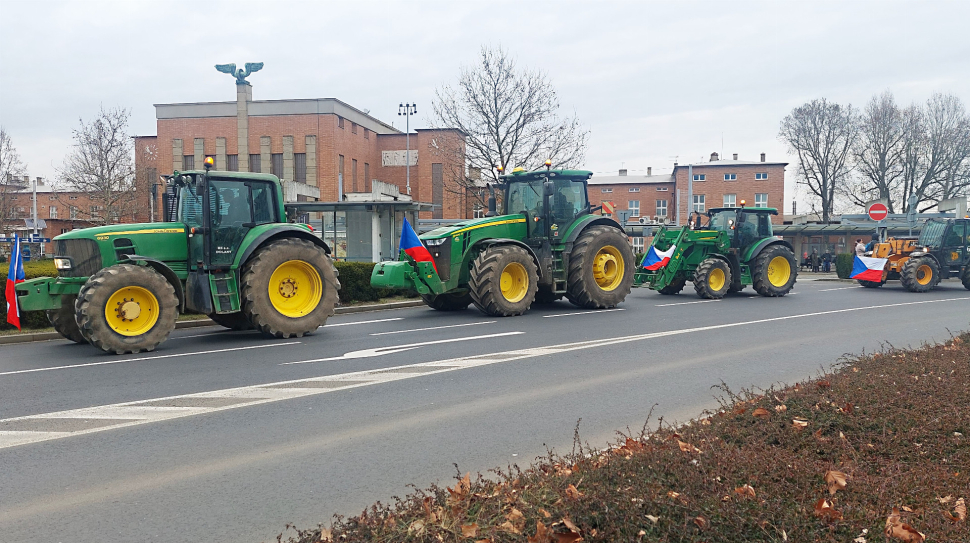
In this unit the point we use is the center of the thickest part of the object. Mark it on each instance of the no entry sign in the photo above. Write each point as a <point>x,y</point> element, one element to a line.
<point>878,212</point>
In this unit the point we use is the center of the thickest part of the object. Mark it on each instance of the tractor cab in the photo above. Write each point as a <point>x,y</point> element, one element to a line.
<point>744,226</point>
<point>549,200</point>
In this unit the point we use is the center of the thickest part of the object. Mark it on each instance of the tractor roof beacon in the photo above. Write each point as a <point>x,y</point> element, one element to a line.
<point>224,249</point>
<point>547,245</point>
<point>736,248</point>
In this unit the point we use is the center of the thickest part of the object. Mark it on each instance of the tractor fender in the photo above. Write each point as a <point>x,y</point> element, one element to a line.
<point>764,244</point>
<point>506,241</point>
<point>166,272</point>
<point>278,233</point>
<point>586,222</point>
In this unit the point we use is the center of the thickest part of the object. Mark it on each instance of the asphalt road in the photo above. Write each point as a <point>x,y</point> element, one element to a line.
<point>227,436</point>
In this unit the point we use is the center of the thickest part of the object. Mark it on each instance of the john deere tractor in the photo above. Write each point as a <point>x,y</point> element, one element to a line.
<point>224,250</point>
<point>736,248</point>
<point>942,251</point>
<point>547,246</point>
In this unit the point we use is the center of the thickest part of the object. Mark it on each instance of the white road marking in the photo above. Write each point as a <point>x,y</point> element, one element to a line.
<point>363,322</point>
<point>583,313</point>
<point>840,288</point>
<point>685,303</point>
<point>381,351</point>
<point>92,364</point>
<point>17,431</point>
<point>432,328</point>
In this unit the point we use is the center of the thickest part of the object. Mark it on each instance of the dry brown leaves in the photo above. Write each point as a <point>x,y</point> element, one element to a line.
<point>824,511</point>
<point>573,493</point>
<point>897,529</point>
<point>745,491</point>
<point>563,531</point>
<point>761,412</point>
<point>684,446</point>
<point>835,481</point>
<point>458,495</point>
<point>701,522</point>
<point>781,408</point>
<point>799,424</point>
<point>469,530</point>
<point>959,513</point>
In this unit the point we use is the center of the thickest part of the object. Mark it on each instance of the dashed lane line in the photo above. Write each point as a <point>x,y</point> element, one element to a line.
<point>381,351</point>
<point>686,303</point>
<point>63,424</point>
<point>432,328</point>
<point>582,313</point>
<point>840,288</point>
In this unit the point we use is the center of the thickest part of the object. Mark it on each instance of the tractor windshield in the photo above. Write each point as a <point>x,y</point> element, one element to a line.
<point>569,200</point>
<point>723,221</point>
<point>525,196</point>
<point>932,234</point>
<point>190,210</point>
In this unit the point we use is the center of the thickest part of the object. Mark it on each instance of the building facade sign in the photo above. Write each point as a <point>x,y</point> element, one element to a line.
<point>398,158</point>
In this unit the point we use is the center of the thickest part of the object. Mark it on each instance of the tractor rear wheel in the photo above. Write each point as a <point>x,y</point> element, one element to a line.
<point>126,309</point>
<point>674,287</point>
<point>601,267</point>
<point>232,321</point>
<point>712,278</point>
<point>871,284</point>
<point>774,271</point>
<point>289,288</point>
<point>920,274</point>
<point>503,281</point>
<point>448,302</point>
<point>966,278</point>
<point>64,322</point>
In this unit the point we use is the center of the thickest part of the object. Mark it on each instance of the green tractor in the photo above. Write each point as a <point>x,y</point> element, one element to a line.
<point>736,248</point>
<point>547,246</point>
<point>224,250</point>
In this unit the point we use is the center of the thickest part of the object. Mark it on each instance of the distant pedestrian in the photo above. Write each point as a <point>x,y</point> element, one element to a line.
<point>815,260</point>
<point>826,262</point>
<point>871,246</point>
<point>805,259</point>
<point>860,249</point>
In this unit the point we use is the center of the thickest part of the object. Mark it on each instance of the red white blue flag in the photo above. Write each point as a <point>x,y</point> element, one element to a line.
<point>868,269</point>
<point>14,276</point>
<point>657,259</point>
<point>413,247</point>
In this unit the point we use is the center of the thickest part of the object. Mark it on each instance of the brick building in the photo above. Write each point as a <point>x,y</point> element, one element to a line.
<point>58,211</point>
<point>322,148</point>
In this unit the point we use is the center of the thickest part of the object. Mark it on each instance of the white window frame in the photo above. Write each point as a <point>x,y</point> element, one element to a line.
<point>73,212</point>
<point>662,209</point>
<point>734,200</point>
<point>634,210</point>
<point>478,211</point>
<point>700,177</point>
<point>606,190</point>
<point>663,189</point>
<point>763,203</point>
<point>761,176</point>
<point>730,177</point>
<point>634,189</point>
<point>702,203</point>
<point>52,210</point>
<point>637,244</point>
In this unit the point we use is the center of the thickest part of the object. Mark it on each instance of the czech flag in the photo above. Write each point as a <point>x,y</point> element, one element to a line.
<point>868,269</point>
<point>657,259</point>
<point>14,276</point>
<point>413,247</point>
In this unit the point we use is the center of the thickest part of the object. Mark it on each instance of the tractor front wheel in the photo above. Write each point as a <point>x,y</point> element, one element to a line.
<point>289,288</point>
<point>712,279</point>
<point>448,302</point>
<point>232,321</point>
<point>920,274</point>
<point>601,268</point>
<point>774,271</point>
<point>126,309</point>
<point>966,278</point>
<point>674,287</point>
<point>503,281</point>
<point>64,322</point>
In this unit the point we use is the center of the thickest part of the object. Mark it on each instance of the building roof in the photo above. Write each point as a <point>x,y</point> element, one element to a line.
<point>630,179</point>
<point>726,163</point>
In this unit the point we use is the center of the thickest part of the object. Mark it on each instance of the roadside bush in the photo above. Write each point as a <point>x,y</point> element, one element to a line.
<point>355,283</point>
<point>28,319</point>
<point>843,264</point>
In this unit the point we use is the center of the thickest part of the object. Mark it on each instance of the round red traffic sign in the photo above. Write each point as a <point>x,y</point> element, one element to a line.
<point>878,212</point>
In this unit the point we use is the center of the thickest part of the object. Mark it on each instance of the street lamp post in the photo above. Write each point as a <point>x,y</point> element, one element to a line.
<point>407,110</point>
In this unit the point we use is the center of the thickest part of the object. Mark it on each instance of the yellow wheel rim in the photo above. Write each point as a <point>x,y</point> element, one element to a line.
<point>608,268</point>
<point>779,271</point>
<point>295,288</point>
<point>131,311</point>
<point>924,274</point>
<point>514,282</point>
<point>715,279</point>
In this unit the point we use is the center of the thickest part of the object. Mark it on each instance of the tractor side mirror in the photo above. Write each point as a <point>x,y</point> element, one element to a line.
<point>491,201</point>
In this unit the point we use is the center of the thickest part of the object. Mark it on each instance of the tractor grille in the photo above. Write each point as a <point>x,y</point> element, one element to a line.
<point>84,253</point>
<point>442,259</point>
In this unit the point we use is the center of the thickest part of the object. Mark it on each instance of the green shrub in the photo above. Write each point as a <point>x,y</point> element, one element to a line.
<point>28,319</point>
<point>843,264</point>
<point>355,283</point>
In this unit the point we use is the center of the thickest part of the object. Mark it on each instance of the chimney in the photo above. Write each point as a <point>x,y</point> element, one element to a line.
<point>623,172</point>
<point>649,171</point>
<point>762,157</point>
<point>714,157</point>
<point>735,156</point>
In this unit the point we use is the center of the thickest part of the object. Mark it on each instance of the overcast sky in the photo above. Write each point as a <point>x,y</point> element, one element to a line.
<point>655,82</point>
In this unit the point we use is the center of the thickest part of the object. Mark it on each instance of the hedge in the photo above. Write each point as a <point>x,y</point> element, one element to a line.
<point>354,287</point>
<point>843,264</point>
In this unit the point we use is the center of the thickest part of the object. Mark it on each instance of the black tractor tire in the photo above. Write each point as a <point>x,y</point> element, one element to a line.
<point>448,302</point>
<point>64,322</point>
<point>966,278</point>
<point>710,284</point>
<point>92,311</point>
<point>674,287</point>
<point>585,265</point>
<point>545,295</point>
<point>486,281</point>
<point>920,274</point>
<point>871,284</point>
<point>763,266</point>
<point>232,321</point>
<point>302,260</point>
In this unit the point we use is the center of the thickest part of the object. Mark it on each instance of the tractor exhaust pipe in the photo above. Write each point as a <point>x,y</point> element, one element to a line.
<point>491,201</point>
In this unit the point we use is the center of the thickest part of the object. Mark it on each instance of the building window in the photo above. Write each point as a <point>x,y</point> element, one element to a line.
<point>232,163</point>
<point>661,208</point>
<point>367,177</point>
<point>64,230</point>
<point>299,167</point>
<point>700,177</point>
<point>276,164</point>
<point>53,211</point>
<point>188,162</point>
<point>366,134</point>
<point>73,212</point>
<point>478,212</point>
<point>606,190</point>
<point>634,189</point>
<point>73,197</point>
<point>52,197</point>
<point>340,122</point>
<point>255,163</point>
<point>662,189</point>
<point>634,207</point>
<point>730,177</point>
<point>761,199</point>
<point>96,211</point>
<point>353,173</point>
<point>637,245</point>
<point>730,200</point>
<point>699,204</point>
<point>761,176</point>
<point>353,128</point>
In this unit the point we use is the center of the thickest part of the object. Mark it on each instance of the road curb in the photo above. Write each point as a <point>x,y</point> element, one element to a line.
<point>47,336</point>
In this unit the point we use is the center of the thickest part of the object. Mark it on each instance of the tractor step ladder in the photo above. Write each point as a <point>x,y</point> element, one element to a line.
<point>559,275</point>
<point>225,294</point>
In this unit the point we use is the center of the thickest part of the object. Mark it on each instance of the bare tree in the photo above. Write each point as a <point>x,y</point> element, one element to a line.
<point>821,134</point>
<point>949,118</point>
<point>510,118</point>
<point>877,153</point>
<point>101,165</point>
<point>10,167</point>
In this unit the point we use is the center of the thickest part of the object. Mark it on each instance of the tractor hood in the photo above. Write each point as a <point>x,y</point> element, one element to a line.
<point>475,224</point>
<point>123,230</point>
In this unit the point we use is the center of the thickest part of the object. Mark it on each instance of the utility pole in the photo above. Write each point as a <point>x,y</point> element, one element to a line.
<point>35,208</point>
<point>407,110</point>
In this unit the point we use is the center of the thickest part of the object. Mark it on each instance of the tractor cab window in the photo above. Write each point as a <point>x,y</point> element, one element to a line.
<point>954,237</point>
<point>932,234</point>
<point>525,196</point>
<point>747,229</point>
<point>723,221</point>
<point>190,208</point>
<point>569,200</point>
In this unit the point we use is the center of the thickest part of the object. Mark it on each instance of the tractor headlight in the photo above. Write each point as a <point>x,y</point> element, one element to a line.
<point>434,242</point>
<point>63,263</point>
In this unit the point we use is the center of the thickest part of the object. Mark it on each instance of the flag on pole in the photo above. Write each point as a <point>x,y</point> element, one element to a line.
<point>868,269</point>
<point>14,276</point>
<point>657,259</point>
<point>413,247</point>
